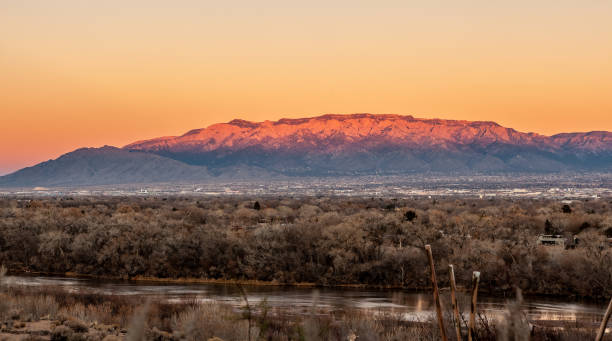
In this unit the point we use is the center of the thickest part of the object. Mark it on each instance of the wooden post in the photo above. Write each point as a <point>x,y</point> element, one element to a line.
<point>436,294</point>
<point>604,323</point>
<point>453,286</point>
<point>475,281</point>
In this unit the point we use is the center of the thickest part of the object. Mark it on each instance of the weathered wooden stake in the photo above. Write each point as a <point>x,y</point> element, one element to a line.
<point>436,294</point>
<point>475,281</point>
<point>604,323</point>
<point>453,286</point>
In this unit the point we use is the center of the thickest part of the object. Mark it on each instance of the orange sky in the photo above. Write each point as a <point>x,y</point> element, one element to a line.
<point>87,73</point>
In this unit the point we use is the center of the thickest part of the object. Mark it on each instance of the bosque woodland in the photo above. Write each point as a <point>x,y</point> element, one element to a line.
<point>322,241</point>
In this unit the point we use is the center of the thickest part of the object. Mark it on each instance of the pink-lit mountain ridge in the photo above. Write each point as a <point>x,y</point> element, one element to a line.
<point>375,144</point>
<point>329,145</point>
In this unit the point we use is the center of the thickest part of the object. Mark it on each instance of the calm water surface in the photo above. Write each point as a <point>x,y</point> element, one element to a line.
<point>412,305</point>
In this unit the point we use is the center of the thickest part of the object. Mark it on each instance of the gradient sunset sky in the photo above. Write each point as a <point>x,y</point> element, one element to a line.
<point>87,73</point>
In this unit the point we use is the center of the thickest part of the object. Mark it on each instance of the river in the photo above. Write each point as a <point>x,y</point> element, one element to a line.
<point>413,305</point>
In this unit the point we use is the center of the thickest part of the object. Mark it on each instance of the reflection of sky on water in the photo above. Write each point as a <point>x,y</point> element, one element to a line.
<point>413,306</point>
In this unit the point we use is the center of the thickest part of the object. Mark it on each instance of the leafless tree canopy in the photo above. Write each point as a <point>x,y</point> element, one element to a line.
<point>326,241</point>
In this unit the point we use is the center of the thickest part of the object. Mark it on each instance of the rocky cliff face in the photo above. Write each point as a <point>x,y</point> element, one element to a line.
<point>382,144</point>
<point>331,133</point>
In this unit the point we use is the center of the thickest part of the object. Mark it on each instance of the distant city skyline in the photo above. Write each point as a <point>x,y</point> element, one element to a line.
<point>86,74</point>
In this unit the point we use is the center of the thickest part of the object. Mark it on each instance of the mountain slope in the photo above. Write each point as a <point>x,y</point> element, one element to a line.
<point>330,133</point>
<point>329,145</point>
<point>103,166</point>
<point>382,144</point>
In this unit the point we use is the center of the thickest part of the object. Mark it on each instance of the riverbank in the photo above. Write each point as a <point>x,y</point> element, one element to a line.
<point>254,283</point>
<point>415,305</point>
<point>193,280</point>
<point>52,313</point>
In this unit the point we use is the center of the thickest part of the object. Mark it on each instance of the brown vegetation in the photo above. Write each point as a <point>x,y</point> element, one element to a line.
<point>53,314</point>
<point>326,241</point>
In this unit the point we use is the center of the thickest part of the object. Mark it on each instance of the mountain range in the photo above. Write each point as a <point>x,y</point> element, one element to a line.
<point>328,145</point>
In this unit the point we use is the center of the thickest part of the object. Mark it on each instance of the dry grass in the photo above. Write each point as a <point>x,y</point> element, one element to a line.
<point>208,320</point>
<point>92,316</point>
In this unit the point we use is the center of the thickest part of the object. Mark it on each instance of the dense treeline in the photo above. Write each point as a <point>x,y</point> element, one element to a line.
<point>327,241</point>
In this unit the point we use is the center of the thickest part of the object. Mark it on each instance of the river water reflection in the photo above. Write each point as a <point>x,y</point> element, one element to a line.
<point>412,305</point>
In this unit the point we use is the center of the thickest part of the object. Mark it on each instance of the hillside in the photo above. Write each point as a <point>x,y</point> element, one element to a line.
<point>329,145</point>
<point>103,166</point>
